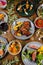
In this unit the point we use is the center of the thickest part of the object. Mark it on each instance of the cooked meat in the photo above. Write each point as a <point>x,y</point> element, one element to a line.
<point>25,31</point>
<point>22,29</point>
<point>33,47</point>
<point>34,55</point>
<point>26,24</point>
<point>28,33</point>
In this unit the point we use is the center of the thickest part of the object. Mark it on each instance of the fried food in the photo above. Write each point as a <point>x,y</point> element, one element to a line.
<point>22,28</point>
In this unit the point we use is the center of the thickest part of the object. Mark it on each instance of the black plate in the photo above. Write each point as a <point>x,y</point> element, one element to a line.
<point>22,13</point>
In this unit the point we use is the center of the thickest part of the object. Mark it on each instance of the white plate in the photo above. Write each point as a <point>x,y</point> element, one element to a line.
<point>23,37</point>
<point>5,43</point>
<point>27,61</point>
<point>38,11</point>
<point>6,17</point>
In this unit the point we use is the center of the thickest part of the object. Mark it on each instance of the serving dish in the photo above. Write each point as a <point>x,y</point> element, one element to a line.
<point>31,53</point>
<point>14,47</point>
<point>3,17</point>
<point>23,36</point>
<point>40,11</point>
<point>25,8</point>
<point>3,47</point>
<point>3,4</point>
<point>38,22</point>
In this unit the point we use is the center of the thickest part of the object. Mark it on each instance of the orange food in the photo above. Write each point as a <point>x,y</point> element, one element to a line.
<point>1,52</point>
<point>39,23</point>
<point>14,48</point>
<point>10,49</point>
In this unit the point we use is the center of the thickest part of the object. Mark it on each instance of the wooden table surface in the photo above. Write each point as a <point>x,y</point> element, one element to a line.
<point>10,37</point>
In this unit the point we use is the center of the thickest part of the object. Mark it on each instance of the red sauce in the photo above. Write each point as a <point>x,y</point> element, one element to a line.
<point>39,23</point>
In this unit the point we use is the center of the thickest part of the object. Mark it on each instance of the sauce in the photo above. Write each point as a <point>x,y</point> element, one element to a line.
<point>39,23</point>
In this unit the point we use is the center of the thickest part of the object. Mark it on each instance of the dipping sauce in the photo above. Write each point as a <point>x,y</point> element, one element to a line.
<point>39,23</point>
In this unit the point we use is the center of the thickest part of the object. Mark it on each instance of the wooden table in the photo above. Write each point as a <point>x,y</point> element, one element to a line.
<point>10,37</point>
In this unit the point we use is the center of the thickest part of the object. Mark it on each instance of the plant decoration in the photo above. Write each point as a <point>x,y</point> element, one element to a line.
<point>10,11</point>
<point>14,61</point>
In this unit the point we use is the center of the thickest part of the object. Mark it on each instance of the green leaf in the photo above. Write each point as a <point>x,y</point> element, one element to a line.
<point>3,47</point>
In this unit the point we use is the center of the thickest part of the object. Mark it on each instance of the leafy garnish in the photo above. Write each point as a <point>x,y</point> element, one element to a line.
<point>3,47</point>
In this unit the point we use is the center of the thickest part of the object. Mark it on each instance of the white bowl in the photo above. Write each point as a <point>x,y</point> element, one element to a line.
<point>4,5</point>
<point>10,44</point>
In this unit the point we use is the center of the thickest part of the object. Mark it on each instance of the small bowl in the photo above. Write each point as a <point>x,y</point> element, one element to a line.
<point>14,43</point>
<point>3,6</point>
<point>36,20</point>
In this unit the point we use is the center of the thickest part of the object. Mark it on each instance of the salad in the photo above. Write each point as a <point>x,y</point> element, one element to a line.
<point>3,47</point>
<point>35,54</point>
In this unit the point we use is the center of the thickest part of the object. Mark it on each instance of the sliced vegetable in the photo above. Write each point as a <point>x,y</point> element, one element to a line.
<point>1,52</point>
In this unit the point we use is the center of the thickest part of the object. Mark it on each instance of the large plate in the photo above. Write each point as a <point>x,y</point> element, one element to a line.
<point>5,43</point>
<point>27,61</point>
<point>23,37</point>
<point>6,17</point>
<point>23,3</point>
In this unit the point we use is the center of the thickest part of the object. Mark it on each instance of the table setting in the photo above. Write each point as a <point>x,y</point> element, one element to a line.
<point>21,32</point>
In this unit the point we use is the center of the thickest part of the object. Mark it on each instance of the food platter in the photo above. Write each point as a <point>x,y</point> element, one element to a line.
<point>25,8</point>
<point>3,46</point>
<point>23,37</point>
<point>26,60</point>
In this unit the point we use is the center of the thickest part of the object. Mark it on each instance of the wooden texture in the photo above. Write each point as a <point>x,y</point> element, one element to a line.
<point>10,37</point>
